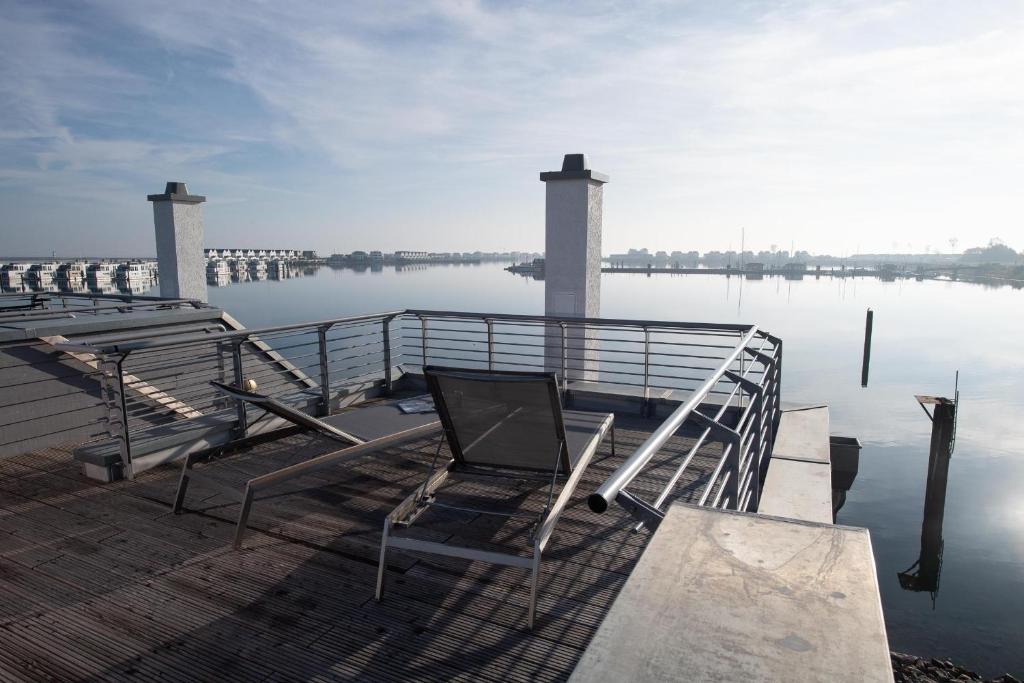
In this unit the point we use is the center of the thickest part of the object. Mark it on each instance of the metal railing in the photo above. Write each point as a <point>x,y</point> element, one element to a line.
<point>153,382</point>
<point>747,442</point>
<point>30,305</point>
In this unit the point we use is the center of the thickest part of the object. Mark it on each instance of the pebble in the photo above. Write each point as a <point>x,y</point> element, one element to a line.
<point>911,669</point>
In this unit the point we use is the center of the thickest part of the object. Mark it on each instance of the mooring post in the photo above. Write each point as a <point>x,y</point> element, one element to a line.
<point>923,575</point>
<point>866,364</point>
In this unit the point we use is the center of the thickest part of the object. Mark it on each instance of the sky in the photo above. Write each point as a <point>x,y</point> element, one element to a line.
<point>838,127</point>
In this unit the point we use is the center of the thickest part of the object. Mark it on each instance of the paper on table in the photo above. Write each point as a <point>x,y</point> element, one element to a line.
<point>417,404</point>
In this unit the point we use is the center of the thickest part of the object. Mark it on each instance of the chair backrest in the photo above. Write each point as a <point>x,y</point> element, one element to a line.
<point>500,418</point>
<point>294,416</point>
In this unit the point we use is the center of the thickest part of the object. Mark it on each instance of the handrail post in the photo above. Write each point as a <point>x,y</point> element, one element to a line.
<point>736,456</point>
<point>386,324</point>
<point>490,344</point>
<point>236,358</point>
<point>755,460</point>
<point>117,410</point>
<point>645,407</point>
<point>325,374</point>
<point>423,340</point>
<point>565,377</point>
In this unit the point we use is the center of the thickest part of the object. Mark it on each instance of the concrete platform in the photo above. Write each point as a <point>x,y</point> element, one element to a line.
<point>803,435</point>
<point>798,484</point>
<point>725,596</point>
<point>798,490</point>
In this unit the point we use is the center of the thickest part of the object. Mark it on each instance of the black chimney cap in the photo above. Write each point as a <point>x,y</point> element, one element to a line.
<point>176,192</point>
<point>574,167</point>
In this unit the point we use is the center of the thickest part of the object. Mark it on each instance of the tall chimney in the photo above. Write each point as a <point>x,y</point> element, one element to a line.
<point>178,219</point>
<point>572,262</point>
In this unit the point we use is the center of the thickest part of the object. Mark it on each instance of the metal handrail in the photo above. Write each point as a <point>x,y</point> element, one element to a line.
<point>81,310</point>
<point>327,357</point>
<point>628,470</point>
<point>225,336</point>
<point>654,325</point>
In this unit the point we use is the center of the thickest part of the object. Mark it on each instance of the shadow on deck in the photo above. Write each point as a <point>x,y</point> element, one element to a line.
<point>102,581</point>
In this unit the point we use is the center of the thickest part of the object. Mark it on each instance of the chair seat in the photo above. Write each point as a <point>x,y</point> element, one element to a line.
<point>376,421</point>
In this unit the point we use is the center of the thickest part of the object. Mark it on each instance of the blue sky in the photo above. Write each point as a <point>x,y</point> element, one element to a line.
<point>836,126</point>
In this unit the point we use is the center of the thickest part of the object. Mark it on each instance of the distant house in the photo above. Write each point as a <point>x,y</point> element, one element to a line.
<point>756,266</point>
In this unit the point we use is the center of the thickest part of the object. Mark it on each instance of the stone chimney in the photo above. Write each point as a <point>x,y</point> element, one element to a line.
<point>572,244</point>
<point>178,219</point>
<point>572,262</point>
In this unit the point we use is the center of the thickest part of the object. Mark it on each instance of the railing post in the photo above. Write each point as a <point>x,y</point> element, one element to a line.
<point>386,324</point>
<point>778,390</point>
<point>736,456</point>
<point>325,374</point>
<point>222,401</point>
<point>236,358</point>
<point>757,406</point>
<point>490,344</point>
<point>117,410</point>
<point>645,407</point>
<point>423,340</point>
<point>565,378</point>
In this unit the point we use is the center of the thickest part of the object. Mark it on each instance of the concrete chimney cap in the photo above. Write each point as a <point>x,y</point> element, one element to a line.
<point>574,167</point>
<point>176,192</point>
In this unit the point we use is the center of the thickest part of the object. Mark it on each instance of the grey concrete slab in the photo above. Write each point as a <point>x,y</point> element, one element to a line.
<point>726,596</point>
<point>803,435</point>
<point>797,490</point>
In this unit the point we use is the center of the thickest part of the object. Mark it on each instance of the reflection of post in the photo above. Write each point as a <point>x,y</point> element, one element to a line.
<point>868,324</point>
<point>923,575</point>
<point>572,264</point>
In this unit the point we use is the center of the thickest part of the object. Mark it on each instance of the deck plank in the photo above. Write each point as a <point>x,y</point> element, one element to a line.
<point>104,582</point>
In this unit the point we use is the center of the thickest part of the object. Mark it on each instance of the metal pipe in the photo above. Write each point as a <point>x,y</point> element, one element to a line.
<point>627,471</point>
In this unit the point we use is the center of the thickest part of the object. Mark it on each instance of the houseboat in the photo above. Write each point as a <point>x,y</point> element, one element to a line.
<point>13,275</point>
<point>100,273</point>
<point>134,272</point>
<point>43,273</point>
<point>71,273</point>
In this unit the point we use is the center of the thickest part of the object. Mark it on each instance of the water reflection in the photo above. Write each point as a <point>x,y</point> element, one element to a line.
<point>923,575</point>
<point>844,453</point>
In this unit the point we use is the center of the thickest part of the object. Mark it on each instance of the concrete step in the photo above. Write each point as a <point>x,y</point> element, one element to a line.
<point>798,484</point>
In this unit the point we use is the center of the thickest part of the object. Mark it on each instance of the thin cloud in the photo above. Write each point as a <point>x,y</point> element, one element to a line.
<point>870,118</point>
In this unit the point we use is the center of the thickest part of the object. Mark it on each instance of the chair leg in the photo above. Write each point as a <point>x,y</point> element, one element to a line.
<point>243,517</point>
<point>179,495</point>
<point>383,559</point>
<point>613,437</point>
<point>534,579</point>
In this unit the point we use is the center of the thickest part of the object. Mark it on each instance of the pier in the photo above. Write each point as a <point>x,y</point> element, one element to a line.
<point>118,569</point>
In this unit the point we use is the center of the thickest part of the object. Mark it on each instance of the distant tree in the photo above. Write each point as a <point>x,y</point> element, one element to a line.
<point>995,252</point>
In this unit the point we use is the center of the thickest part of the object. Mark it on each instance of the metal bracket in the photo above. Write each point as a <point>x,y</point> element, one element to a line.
<point>641,510</point>
<point>751,386</point>
<point>717,428</point>
<point>761,356</point>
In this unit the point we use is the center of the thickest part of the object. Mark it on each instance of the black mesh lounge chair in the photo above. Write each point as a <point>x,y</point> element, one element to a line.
<point>507,424</point>
<point>362,430</point>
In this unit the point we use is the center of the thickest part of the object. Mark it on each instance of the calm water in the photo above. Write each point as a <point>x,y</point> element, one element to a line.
<point>924,332</point>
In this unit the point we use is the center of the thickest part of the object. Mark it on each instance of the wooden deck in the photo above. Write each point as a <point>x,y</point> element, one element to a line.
<point>102,582</point>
